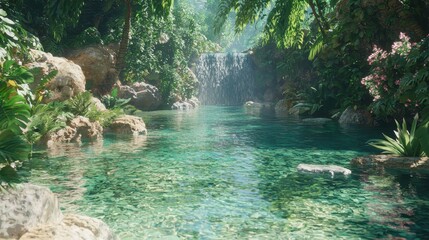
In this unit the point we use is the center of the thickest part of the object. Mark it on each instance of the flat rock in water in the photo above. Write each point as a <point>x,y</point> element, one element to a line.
<point>316,120</point>
<point>332,169</point>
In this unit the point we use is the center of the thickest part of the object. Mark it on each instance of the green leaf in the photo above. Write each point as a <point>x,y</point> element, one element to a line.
<point>12,147</point>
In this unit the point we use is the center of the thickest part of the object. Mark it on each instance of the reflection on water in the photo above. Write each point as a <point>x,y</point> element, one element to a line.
<point>216,173</point>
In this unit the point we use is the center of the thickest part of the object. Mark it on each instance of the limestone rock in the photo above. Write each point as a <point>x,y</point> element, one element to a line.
<point>128,124</point>
<point>25,207</point>
<point>186,104</point>
<point>356,116</point>
<point>69,81</point>
<point>98,66</point>
<point>390,161</point>
<point>143,96</point>
<point>332,169</point>
<point>79,127</point>
<point>73,227</point>
<point>98,104</point>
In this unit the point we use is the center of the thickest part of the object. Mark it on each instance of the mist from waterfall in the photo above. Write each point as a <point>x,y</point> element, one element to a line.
<point>225,78</point>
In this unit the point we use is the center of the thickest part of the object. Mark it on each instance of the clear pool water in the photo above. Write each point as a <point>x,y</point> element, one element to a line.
<point>217,173</point>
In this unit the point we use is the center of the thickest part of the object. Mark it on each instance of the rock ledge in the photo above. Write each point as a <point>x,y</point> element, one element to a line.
<point>390,161</point>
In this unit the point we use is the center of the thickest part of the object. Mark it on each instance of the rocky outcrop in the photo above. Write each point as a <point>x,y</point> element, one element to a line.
<point>143,96</point>
<point>78,128</point>
<point>390,161</point>
<point>69,80</point>
<point>98,65</point>
<point>356,116</point>
<point>128,124</point>
<point>32,212</point>
<point>26,207</point>
<point>72,227</point>
<point>332,169</point>
<point>186,104</point>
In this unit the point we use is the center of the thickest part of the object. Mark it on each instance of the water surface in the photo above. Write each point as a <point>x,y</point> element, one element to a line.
<point>217,173</point>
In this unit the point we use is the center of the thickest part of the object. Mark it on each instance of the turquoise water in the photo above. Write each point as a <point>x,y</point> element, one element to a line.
<point>217,173</point>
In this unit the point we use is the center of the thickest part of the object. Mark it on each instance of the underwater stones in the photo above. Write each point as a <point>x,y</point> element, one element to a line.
<point>72,227</point>
<point>128,124</point>
<point>143,96</point>
<point>69,80</point>
<point>27,206</point>
<point>356,116</point>
<point>332,169</point>
<point>390,161</point>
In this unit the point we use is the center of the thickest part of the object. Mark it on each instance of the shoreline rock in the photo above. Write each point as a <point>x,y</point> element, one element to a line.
<point>29,211</point>
<point>390,161</point>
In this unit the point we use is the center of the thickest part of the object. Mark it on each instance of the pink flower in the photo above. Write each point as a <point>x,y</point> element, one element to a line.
<point>397,82</point>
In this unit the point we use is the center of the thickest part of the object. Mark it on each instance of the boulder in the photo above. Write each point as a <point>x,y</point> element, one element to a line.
<point>98,66</point>
<point>143,96</point>
<point>69,80</point>
<point>332,169</point>
<point>187,104</point>
<point>356,116</point>
<point>128,124</point>
<point>390,161</point>
<point>79,127</point>
<point>98,104</point>
<point>27,206</point>
<point>281,107</point>
<point>72,227</point>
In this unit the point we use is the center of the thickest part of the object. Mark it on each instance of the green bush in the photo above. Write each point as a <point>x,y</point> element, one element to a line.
<point>398,81</point>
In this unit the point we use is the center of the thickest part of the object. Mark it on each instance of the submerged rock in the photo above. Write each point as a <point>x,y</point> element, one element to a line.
<point>69,81</point>
<point>390,161</point>
<point>317,120</point>
<point>143,96</point>
<point>128,124</point>
<point>332,169</point>
<point>72,227</point>
<point>27,206</point>
<point>356,116</point>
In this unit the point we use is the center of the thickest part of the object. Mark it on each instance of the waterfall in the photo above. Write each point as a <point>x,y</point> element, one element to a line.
<point>225,78</point>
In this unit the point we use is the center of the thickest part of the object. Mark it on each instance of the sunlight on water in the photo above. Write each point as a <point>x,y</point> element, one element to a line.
<point>216,173</point>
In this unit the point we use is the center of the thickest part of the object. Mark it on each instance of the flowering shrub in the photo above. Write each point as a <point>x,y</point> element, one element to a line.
<point>399,79</point>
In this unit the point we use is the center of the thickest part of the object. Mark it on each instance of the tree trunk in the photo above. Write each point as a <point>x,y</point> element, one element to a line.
<point>316,17</point>
<point>123,46</point>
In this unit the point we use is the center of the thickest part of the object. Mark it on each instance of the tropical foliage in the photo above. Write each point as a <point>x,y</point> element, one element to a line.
<point>406,143</point>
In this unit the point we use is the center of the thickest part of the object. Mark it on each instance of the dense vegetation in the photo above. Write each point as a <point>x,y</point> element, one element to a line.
<point>335,54</point>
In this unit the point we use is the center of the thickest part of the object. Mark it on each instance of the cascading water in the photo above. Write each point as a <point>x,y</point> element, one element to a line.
<point>225,78</point>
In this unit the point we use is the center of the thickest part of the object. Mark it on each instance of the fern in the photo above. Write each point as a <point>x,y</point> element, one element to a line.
<point>80,104</point>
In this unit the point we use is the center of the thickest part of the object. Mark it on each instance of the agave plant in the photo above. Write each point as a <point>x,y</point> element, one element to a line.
<point>406,143</point>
